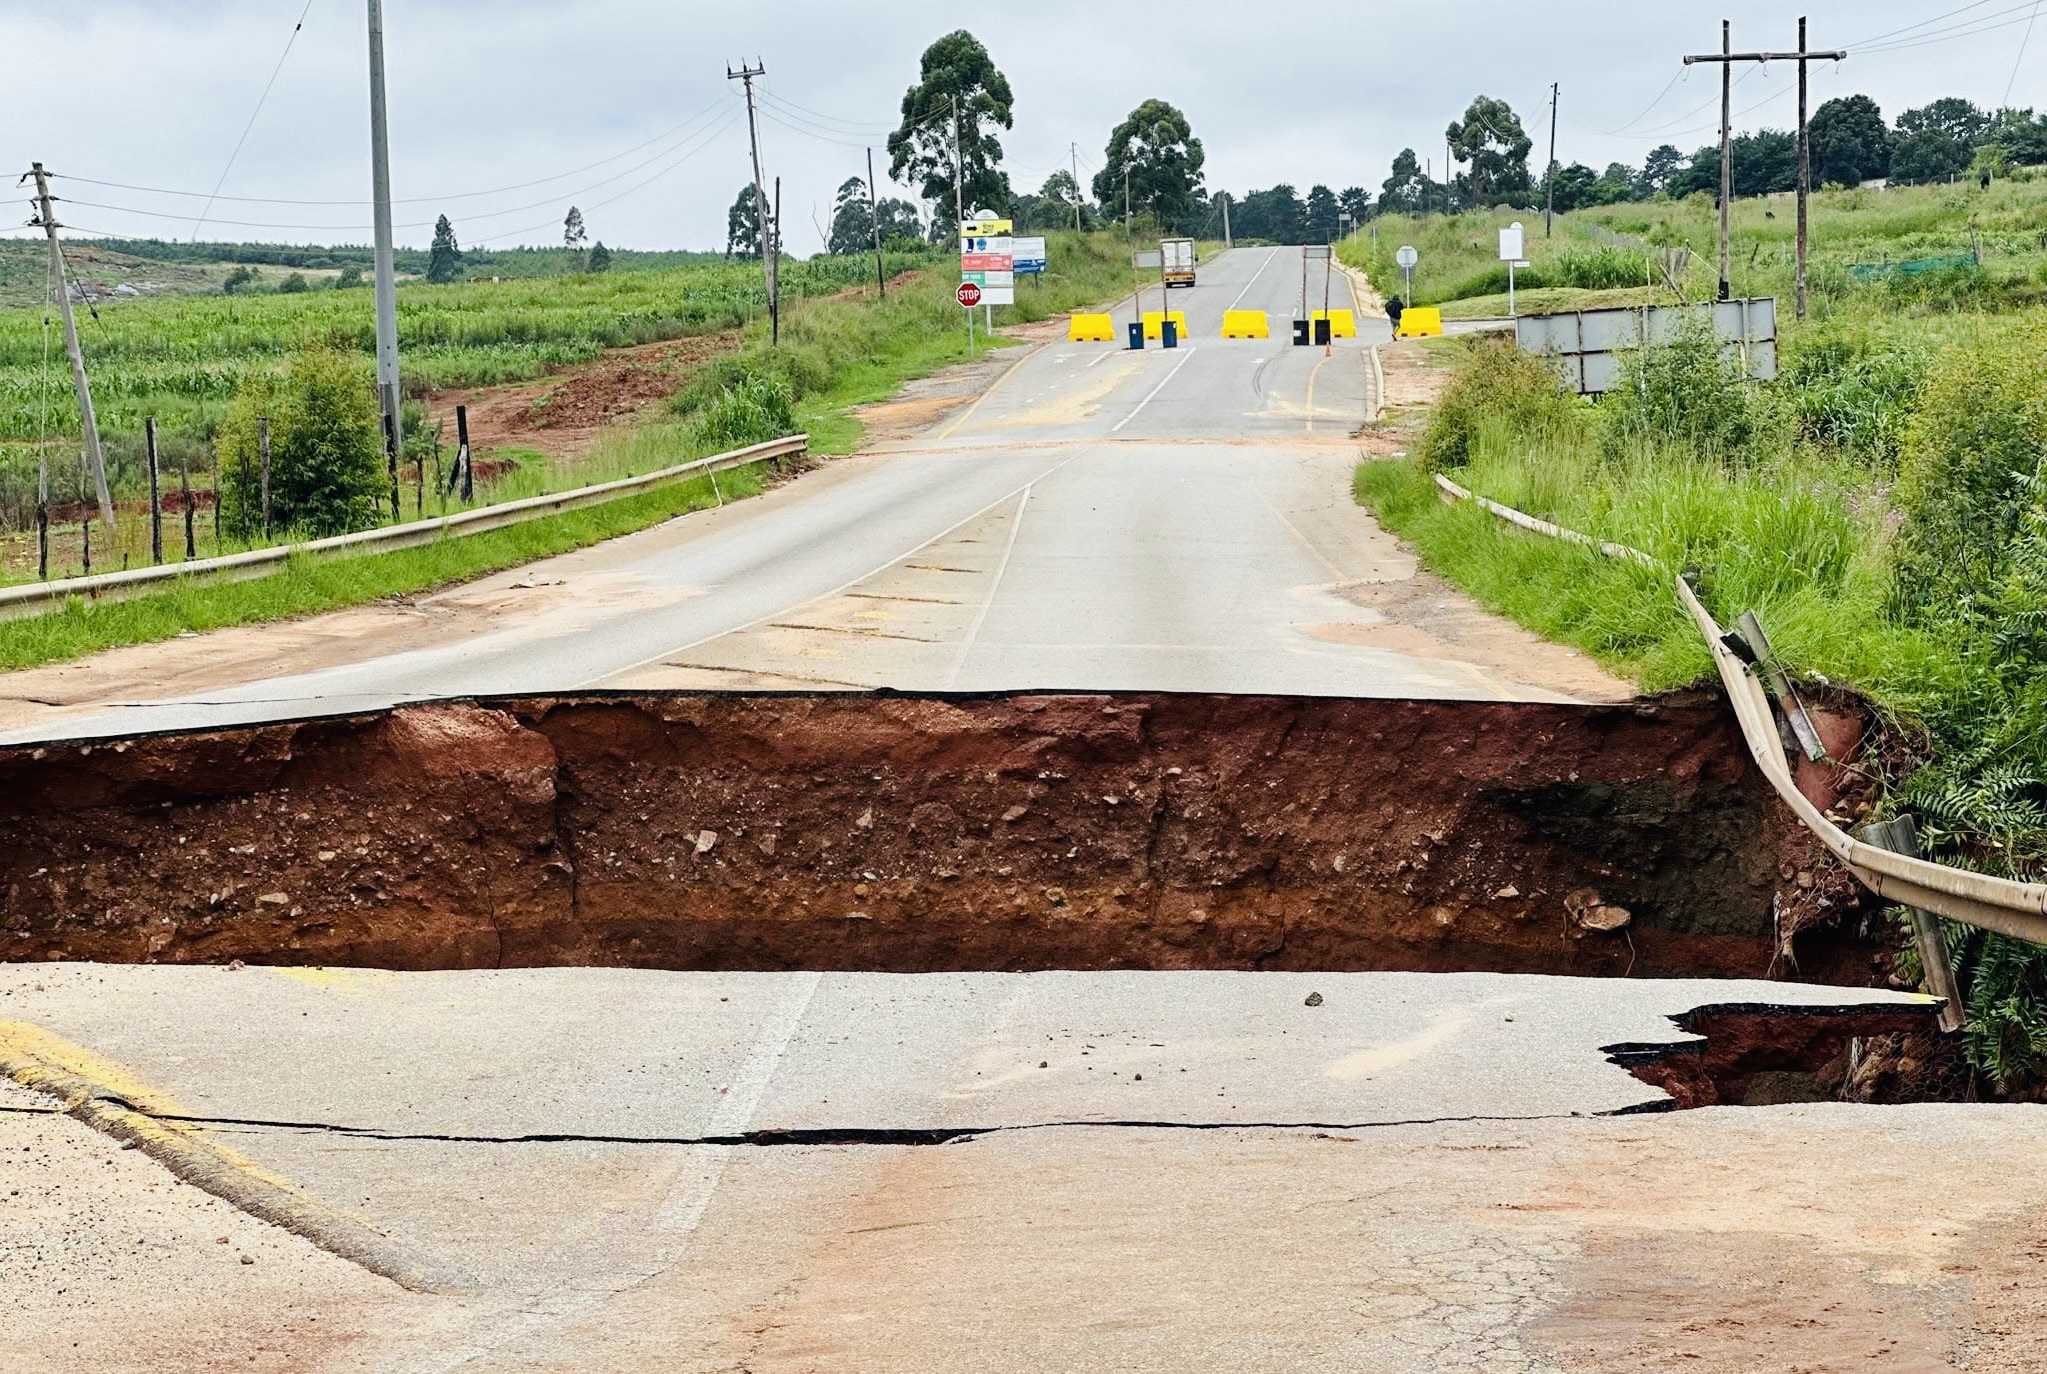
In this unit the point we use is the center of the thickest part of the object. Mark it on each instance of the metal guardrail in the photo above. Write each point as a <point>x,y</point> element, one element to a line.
<point>37,598</point>
<point>2002,905</point>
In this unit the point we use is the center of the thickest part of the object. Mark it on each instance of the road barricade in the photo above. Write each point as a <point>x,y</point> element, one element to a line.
<point>1420,322</point>
<point>1091,329</point>
<point>1343,324</point>
<point>1245,324</point>
<point>1155,321</point>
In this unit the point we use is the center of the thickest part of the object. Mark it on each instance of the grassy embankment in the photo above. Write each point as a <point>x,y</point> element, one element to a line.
<point>1881,506</point>
<point>837,353</point>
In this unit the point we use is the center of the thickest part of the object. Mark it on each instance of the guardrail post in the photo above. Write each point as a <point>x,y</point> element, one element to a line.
<point>1901,836</point>
<point>1750,643</point>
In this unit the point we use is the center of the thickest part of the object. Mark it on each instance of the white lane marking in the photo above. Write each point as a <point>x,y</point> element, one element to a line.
<point>1099,358</point>
<point>1254,278</point>
<point>1118,426</point>
<point>1315,373</point>
<point>995,585</point>
<point>683,1208</point>
<point>842,587</point>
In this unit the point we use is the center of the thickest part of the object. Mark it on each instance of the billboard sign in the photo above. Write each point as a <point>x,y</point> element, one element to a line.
<point>987,260</point>
<point>1030,257</point>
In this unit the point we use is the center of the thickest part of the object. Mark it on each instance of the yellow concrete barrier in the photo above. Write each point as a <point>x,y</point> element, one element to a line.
<point>1154,323</point>
<point>1091,329</point>
<point>1343,324</point>
<point>1420,322</point>
<point>1245,324</point>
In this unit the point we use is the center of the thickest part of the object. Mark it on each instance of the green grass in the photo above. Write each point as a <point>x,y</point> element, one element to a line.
<point>307,585</point>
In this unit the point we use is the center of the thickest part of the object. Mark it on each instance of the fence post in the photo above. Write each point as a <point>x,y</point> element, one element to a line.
<point>185,493</point>
<point>155,498</point>
<point>1901,836</point>
<point>263,444</point>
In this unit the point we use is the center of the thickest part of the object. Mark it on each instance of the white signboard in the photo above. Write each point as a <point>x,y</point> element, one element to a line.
<point>1030,256</point>
<point>987,259</point>
<point>1513,243</point>
<point>1407,258</point>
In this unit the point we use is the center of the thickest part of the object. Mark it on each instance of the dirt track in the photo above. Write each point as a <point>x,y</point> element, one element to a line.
<point>908,834</point>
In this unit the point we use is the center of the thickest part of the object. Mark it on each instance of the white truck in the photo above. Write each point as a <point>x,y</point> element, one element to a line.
<point>1177,261</point>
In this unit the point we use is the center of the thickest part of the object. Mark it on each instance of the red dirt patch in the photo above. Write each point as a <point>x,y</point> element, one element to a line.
<point>909,834</point>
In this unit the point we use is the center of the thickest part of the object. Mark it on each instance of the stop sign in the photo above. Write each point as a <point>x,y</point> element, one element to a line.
<point>969,294</point>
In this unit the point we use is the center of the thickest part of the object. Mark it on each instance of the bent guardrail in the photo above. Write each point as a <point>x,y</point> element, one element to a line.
<point>2003,905</point>
<point>37,598</point>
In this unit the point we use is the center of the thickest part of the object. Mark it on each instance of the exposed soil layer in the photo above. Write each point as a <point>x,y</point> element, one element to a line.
<point>899,833</point>
<point>1768,1056</point>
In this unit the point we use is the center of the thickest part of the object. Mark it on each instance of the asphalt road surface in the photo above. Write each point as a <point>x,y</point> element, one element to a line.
<point>1139,1171</point>
<point>1100,519</point>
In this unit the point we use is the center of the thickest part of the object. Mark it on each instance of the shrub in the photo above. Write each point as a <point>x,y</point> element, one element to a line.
<point>1498,388</point>
<point>753,412</point>
<point>294,284</point>
<point>327,473</point>
<point>1686,391</point>
<point>1978,436</point>
<point>1858,395</point>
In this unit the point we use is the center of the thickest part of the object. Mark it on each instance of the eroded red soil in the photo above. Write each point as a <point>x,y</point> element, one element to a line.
<point>906,833</point>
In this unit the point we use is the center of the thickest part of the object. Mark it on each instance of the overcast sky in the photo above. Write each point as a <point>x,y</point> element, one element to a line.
<point>495,93</point>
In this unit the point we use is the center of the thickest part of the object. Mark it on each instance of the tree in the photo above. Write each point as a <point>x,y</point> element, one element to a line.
<point>294,284</point>
<point>1276,214</point>
<point>1321,212</point>
<point>899,220</point>
<point>956,74</point>
<point>1851,143</point>
<point>1938,140</point>
<point>1576,187</point>
<point>600,258</point>
<point>1356,202</point>
<point>326,460</point>
<point>1063,190</point>
<point>1616,184</point>
<point>852,219</point>
<point>2020,139</point>
<point>1659,170</point>
<point>1491,139</point>
<point>1407,191</point>
<point>238,279</point>
<point>743,226</point>
<point>1764,162</point>
<point>573,233</point>
<point>1153,153</point>
<point>444,258</point>
<point>351,276</point>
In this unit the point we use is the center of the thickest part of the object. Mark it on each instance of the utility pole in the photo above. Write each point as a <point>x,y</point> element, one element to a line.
<point>1227,241</point>
<point>1073,153</point>
<point>959,200</point>
<point>1727,57</point>
<point>769,263</point>
<point>1126,197</point>
<point>47,217</point>
<point>874,220</point>
<point>387,277</point>
<point>1549,209</point>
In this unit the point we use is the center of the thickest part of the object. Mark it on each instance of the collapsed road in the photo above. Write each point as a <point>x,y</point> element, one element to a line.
<point>1223,946</point>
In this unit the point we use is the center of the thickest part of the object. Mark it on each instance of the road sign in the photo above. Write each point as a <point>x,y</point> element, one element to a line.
<point>986,260</point>
<point>969,294</point>
<point>1407,258</point>
<point>1029,255</point>
<point>1513,243</point>
<point>1315,251</point>
<point>1149,261</point>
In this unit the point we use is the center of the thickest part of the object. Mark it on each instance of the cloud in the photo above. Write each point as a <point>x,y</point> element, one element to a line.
<point>497,94</point>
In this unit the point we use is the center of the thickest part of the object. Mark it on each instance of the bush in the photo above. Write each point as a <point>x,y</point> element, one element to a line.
<point>1857,395</point>
<point>1497,388</point>
<point>1976,439</point>
<point>1686,391</point>
<point>327,470</point>
<point>755,411</point>
<point>294,284</point>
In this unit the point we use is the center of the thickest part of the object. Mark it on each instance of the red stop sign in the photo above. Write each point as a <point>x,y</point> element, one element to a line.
<point>969,294</point>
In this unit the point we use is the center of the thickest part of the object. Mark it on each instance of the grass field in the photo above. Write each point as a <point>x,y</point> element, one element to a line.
<point>1882,505</point>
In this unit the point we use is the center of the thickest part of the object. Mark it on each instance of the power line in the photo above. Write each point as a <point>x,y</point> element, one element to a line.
<point>1981,24</point>
<point>1682,73</point>
<point>1924,23</point>
<point>661,137</point>
<point>707,138</point>
<point>247,128</point>
<point>2023,43</point>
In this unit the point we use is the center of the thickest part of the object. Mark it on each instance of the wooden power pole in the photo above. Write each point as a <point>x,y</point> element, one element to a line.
<point>47,218</point>
<point>769,254</point>
<point>1727,57</point>
<point>1549,205</point>
<point>874,220</point>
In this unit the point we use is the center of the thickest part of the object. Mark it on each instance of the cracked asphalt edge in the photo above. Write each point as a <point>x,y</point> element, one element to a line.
<point>43,1063</point>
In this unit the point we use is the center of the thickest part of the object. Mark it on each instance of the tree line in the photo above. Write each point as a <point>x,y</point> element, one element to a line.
<point>1950,138</point>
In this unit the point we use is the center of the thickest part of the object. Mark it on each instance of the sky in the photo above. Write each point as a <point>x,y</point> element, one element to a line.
<point>623,107</point>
